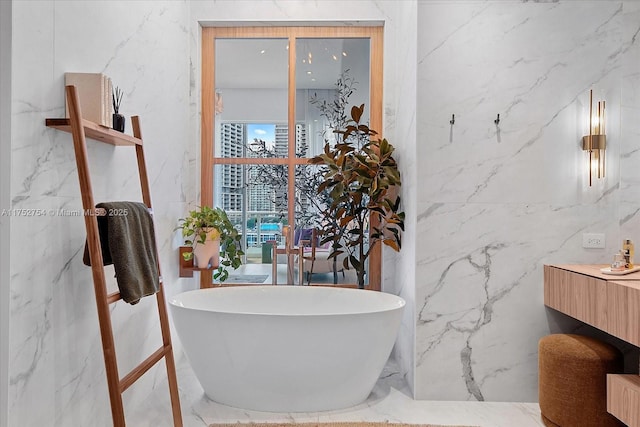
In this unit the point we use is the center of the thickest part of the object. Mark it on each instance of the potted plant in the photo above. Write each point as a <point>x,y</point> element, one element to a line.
<point>361,176</point>
<point>214,240</point>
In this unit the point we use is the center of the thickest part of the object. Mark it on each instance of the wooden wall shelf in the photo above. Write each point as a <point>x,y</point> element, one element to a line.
<point>610,303</point>
<point>186,267</point>
<point>95,131</point>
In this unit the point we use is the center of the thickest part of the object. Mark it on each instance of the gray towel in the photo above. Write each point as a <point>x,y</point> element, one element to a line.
<point>128,242</point>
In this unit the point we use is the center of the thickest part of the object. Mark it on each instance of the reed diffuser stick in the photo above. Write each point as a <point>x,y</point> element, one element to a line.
<point>117,98</point>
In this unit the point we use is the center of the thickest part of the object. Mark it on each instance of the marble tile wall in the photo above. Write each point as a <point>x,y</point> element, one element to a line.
<point>151,50</point>
<point>629,220</point>
<point>497,202</point>
<point>56,365</point>
<point>486,206</point>
<point>399,108</point>
<point>400,124</point>
<point>630,124</point>
<point>5,176</point>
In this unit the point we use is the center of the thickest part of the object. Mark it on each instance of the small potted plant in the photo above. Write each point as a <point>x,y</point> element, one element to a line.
<point>214,240</point>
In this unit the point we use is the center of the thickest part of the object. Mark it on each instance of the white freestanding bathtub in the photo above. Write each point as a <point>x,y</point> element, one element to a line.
<point>287,348</point>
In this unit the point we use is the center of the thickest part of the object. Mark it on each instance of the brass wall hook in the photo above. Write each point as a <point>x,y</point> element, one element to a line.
<point>453,120</point>
<point>497,120</point>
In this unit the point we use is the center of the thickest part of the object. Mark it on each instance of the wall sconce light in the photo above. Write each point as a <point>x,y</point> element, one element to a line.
<point>596,142</point>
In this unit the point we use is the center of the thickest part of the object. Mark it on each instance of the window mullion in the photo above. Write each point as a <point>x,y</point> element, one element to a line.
<point>291,130</point>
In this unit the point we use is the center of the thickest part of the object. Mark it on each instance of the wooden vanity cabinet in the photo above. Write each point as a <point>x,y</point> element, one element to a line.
<point>610,303</point>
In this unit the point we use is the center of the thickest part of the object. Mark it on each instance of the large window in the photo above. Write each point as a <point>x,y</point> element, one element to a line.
<point>268,106</point>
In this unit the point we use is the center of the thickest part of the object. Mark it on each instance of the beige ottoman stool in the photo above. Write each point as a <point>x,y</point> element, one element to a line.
<point>572,373</point>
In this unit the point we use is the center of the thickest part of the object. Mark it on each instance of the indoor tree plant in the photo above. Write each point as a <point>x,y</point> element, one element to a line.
<point>360,174</point>
<point>213,238</point>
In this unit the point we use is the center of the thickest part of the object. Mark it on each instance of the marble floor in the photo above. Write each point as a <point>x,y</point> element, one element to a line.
<point>389,401</point>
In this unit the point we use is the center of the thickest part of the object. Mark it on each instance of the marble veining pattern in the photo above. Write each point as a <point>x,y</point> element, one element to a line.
<point>629,219</point>
<point>399,108</point>
<point>488,204</point>
<point>55,349</point>
<point>390,401</point>
<point>399,129</point>
<point>500,200</point>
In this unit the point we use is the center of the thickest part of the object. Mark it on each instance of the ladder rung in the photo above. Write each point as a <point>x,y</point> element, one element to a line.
<point>139,370</point>
<point>111,298</point>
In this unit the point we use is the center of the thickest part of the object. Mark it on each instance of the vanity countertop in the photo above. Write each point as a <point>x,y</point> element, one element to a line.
<point>593,270</point>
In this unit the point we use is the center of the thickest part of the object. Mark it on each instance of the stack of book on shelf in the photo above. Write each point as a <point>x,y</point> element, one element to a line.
<point>94,91</point>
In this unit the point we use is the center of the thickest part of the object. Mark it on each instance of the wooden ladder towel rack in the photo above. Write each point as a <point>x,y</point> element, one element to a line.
<point>79,128</point>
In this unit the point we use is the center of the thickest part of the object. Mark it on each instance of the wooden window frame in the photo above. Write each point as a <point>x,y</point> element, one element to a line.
<point>209,36</point>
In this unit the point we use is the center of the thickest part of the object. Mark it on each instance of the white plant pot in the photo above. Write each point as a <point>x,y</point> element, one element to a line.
<point>208,253</point>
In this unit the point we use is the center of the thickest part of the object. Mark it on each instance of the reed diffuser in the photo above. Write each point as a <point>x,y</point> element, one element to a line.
<point>118,119</point>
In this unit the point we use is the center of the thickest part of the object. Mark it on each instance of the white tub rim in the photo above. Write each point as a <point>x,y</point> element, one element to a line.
<point>394,302</point>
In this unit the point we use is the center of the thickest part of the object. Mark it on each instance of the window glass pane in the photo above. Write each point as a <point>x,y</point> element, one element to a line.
<point>309,204</point>
<point>251,78</point>
<point>255,199</point>
<point>250,121</point>
<point>252,140</point>
<point>309,215</point>
<point>331,76</point>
